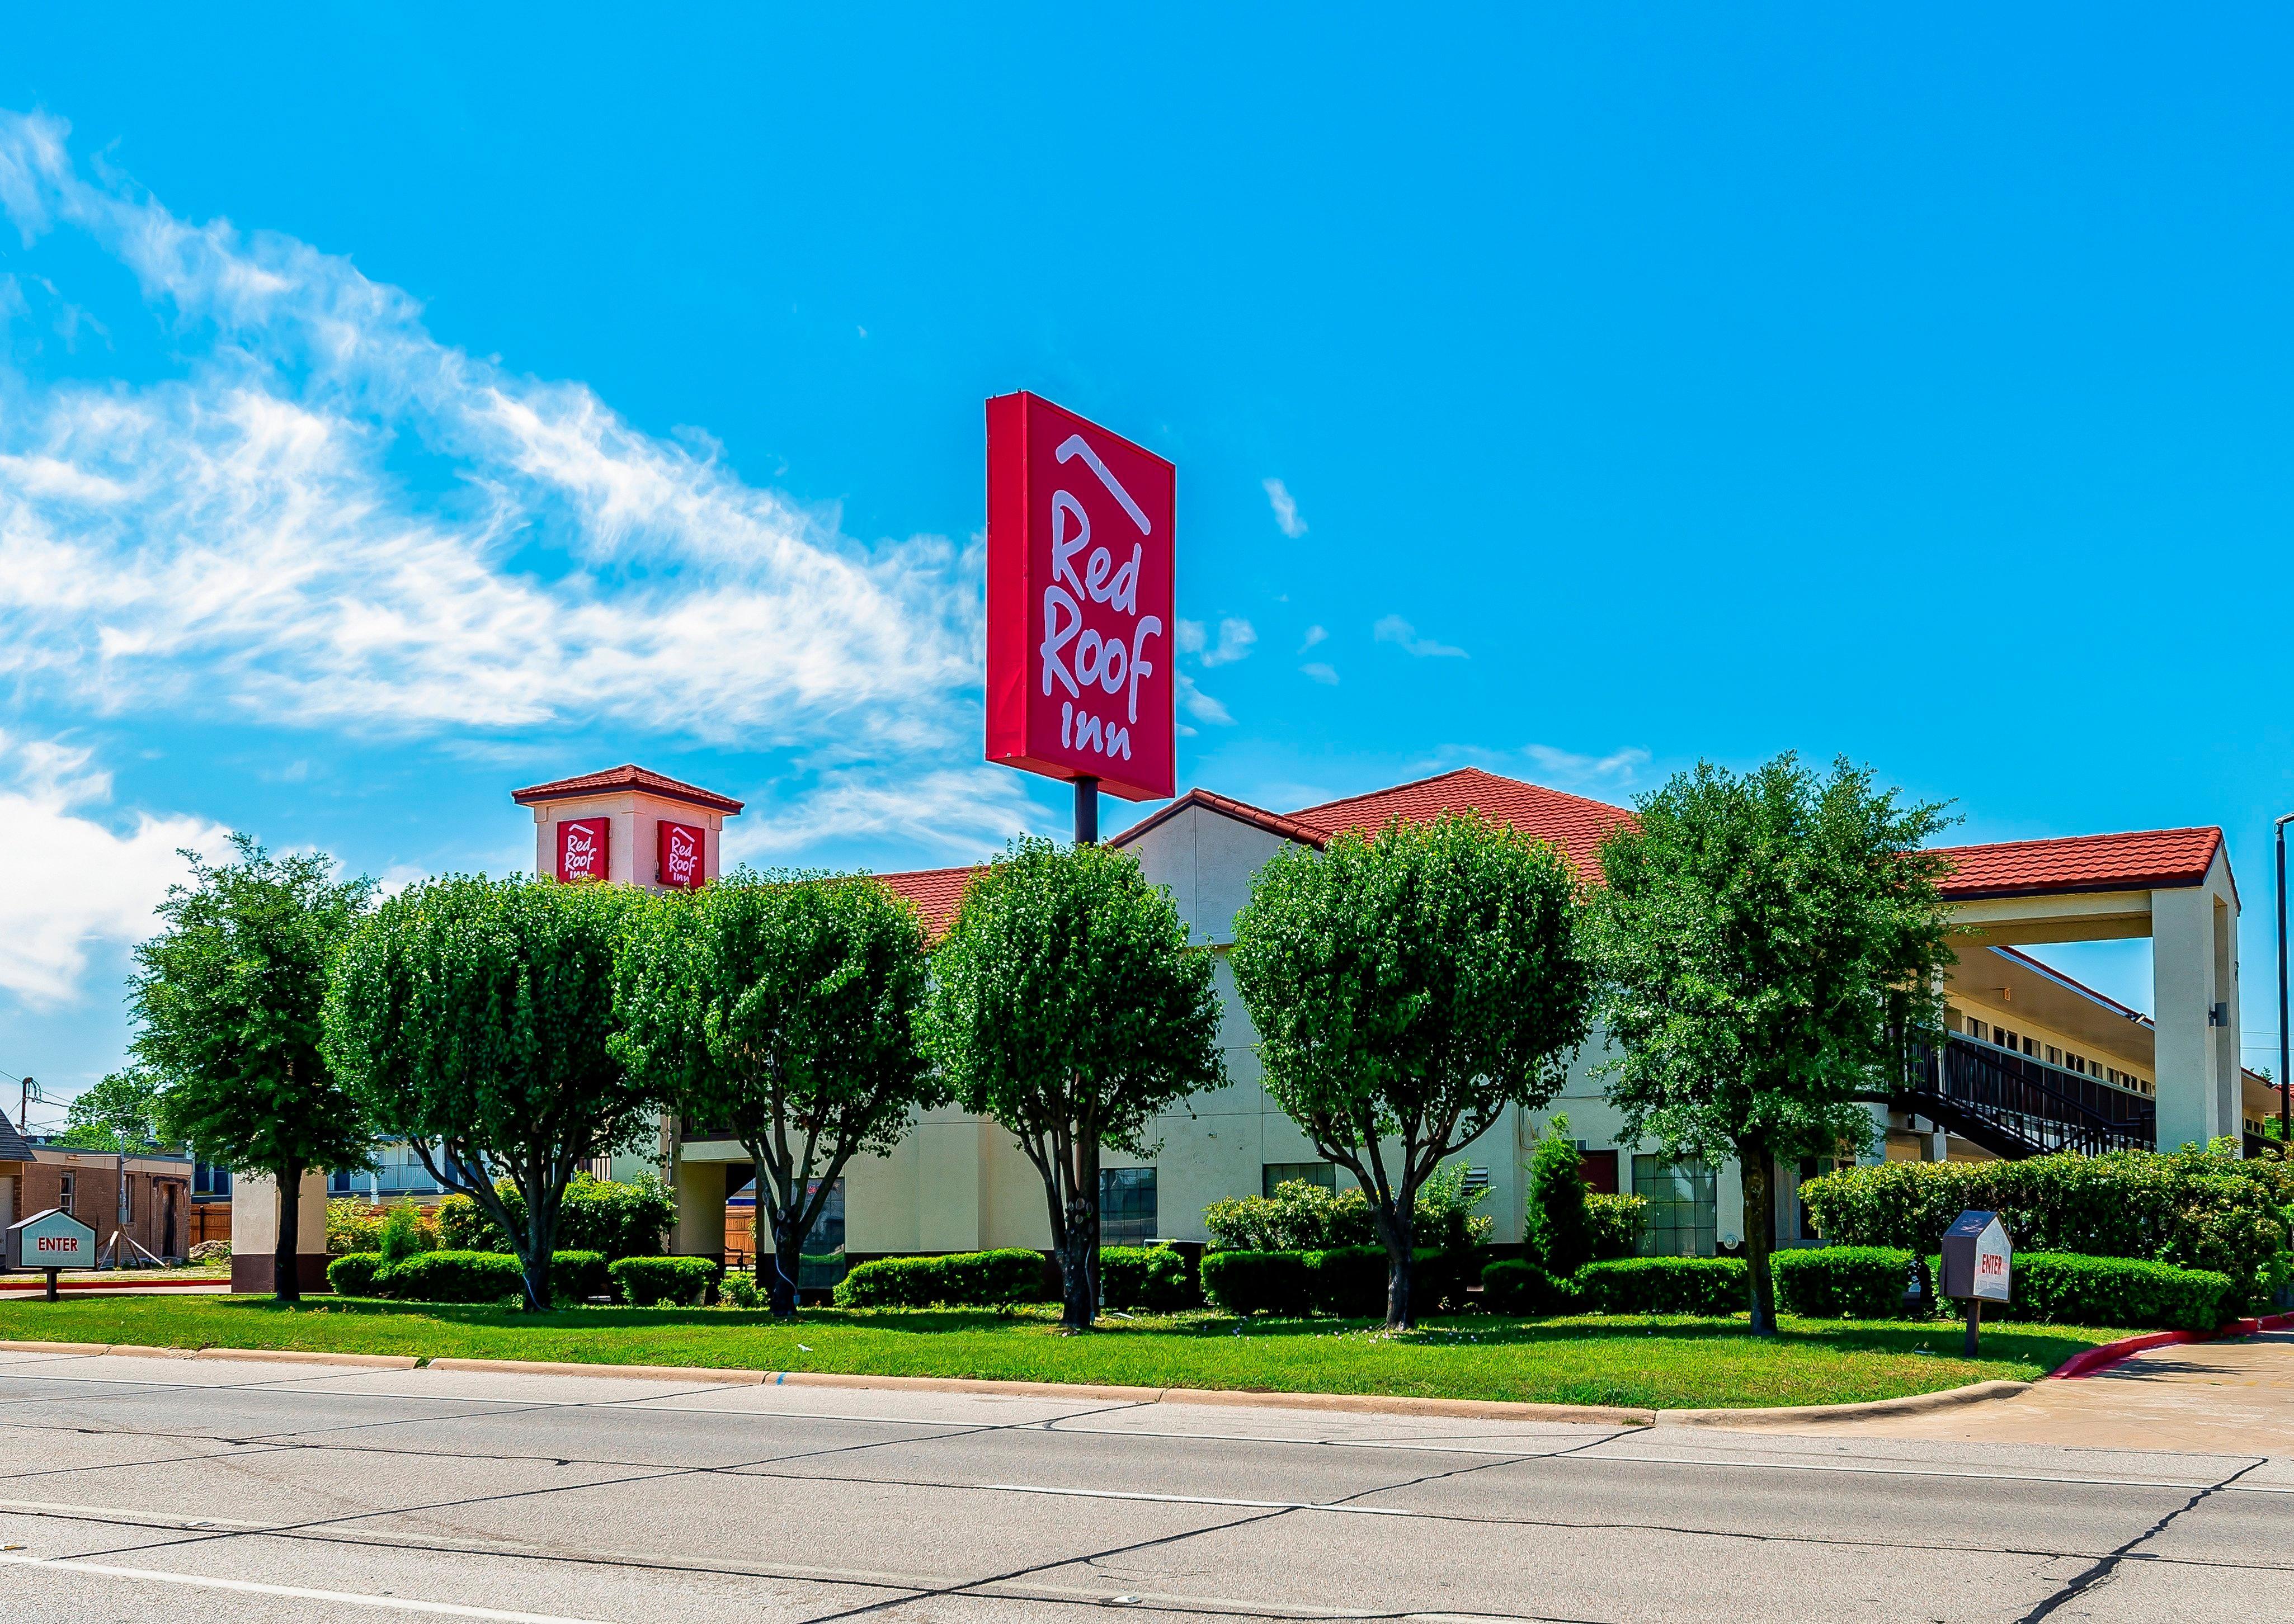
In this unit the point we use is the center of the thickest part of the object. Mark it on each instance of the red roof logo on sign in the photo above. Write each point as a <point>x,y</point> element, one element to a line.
<point>1080,600</point>
<point>582,846</point>
<point>680,857</point>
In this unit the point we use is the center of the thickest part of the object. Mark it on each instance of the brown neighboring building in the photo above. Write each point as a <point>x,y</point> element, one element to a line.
<point>85,1184</point>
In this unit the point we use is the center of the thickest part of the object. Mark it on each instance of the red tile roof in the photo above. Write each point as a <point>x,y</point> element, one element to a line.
<point>1226,806</point>
<point>2144,860</point>
<point>935,891</point>
<point>626,776</point>
<point>1575,825</point>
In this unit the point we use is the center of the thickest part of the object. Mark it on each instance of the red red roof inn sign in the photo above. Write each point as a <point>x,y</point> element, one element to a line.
<point>1080,600</point>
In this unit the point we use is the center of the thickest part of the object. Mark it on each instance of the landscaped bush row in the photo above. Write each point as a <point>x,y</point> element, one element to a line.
<point>463,1276</point>
<point>1153,1280</point>
<point>1710,1286</point>
<point>1350,1281</point>
<point>983,1279</point>
<point>1843,1282</point>
<point>619,1220</point>
<point>2067,1289</point>
<point>2196,1209</point>
<point>1300,1216</point>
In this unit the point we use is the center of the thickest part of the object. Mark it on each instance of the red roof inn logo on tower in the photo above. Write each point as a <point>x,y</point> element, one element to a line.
<point>679,856</point>
<point>1079,600</point>
<point>581,848</point>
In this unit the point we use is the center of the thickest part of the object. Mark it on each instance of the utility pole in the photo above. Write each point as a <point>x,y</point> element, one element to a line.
<point>2285,1081</point>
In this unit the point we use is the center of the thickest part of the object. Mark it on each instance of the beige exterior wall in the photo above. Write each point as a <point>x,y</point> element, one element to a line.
<point>634,848</point>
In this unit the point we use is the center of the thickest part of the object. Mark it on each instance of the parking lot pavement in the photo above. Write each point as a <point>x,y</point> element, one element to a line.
<point>158,1488</point>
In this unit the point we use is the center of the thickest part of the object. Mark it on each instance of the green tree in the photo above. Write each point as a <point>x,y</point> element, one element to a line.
<point>1407,988</point>
<point>1767,941</point>
<point>227,1001</point>
<point>472,1018</point>
<point>1068,1006</point>
<point>1557,1225</point>
<point>784,1011</point>
<point>120,1113</point>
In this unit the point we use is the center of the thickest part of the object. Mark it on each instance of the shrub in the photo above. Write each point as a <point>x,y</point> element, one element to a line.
<point>646,1282</point>
<point>1843,1282</point>
<point>2196,1209</point>
<point>455,1276</point>
<point>1617,1222</point>
<point>400,1237</point>
<point>983,1279</point>
<point>351,1226</point>
<point>738,1288</point>
<point>2067,1288</point>
<point>1515,1286</point>
<point>1556,1230</point>
<point>1712,1286</point>
<point>1350,1281</point>
<point>1259,1282</point>
<point>1302,1217</point>
<point>619,1220</point>
<point>576,1276</point>
<point>1155,1278</point>
<point>352,1275</point>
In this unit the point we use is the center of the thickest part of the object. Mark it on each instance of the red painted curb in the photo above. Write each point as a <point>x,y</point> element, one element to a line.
<point>156,1279</point>
<point>2117,1352</point>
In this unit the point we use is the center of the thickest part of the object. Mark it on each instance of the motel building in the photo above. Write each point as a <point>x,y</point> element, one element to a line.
<point>2033,1061</point>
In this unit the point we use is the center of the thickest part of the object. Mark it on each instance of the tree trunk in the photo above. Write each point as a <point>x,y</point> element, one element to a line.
<point>1079,1245</point>
<point>286,1270</point>
<point>540,1241</point>
<point>1761,1235</point>
<point>1399,1231</point>
<point>788,1260</point>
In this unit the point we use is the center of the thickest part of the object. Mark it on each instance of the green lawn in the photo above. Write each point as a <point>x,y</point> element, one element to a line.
<point>1647,1362</point>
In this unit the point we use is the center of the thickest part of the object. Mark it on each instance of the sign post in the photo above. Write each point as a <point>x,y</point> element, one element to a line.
<point>51,1241</point>
<point>1081,603</point>
<point>1978,1267</point>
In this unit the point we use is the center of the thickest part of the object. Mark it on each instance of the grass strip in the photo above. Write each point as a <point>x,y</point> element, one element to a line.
<point>1647,1361</point>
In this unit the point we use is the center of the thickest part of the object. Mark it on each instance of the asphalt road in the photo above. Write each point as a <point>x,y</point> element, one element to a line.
<point>163,1489</point>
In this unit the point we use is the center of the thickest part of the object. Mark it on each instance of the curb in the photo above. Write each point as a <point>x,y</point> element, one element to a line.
<point>2099,1359</point>
<point>283,1356</point>
<point>157,1281</point>
<point>1910,1404</point>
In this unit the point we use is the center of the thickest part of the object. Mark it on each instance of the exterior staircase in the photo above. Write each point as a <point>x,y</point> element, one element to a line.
<point>2015,1106</point>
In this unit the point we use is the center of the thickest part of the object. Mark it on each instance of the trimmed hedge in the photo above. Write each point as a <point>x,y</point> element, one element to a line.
<point>1153,1278</point>
<point>353,1274</point>
<point>1842,1282</point>
<point>1259,1282</point>
<point>1515,1286</point>
<point>596,1216</point>
<point>1710,1286</point>
<point>2067,1288</point>
<point>579,1275</point>
<point>981,1280</point>
<point>2196,1209</point>
<point>649,1282</point>
<point>451,1276</point>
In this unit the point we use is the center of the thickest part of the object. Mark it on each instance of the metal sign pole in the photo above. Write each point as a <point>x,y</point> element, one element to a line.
<point>1086,811</point>
<point>2285,1077</point>
<point>1974,1320</point>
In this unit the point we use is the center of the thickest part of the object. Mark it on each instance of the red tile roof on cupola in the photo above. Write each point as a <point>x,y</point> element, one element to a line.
<point>626,776</point>
<point>1575,825</point>
<point>935,891</point>
<point>2144,860</point>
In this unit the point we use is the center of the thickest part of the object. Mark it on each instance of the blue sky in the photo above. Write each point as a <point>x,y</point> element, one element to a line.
<point>399,405</point>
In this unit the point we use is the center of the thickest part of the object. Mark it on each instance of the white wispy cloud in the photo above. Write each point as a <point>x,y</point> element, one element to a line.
<point>246,540</point>
<point>1285,509</point>
<point>1396,630</point>
<point>1563,769</point>
<point>89,880</point>
<point>960,813</point>
<point>1236,639</point>
<point>1201,705</point>
<point>1314,634</point>
<point>1320,673</point>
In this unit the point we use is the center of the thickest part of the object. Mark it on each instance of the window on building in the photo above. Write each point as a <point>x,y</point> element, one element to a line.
<point>2054,1055</point>
<point>1682,1207</point>
<point>823,1264</point>
<point>1324,1173</point>
<point>209,1180</point>
<point>68,1193</point>
<point>1126,1206</point>
<point>2031,1047</point>
<point>126,1198</point>
<point>1974,1028</point>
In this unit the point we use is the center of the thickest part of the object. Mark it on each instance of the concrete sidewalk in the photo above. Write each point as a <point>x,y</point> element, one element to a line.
<point>2230,1398</point>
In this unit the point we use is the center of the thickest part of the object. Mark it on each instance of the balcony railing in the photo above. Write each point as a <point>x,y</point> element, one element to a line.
<point>2014,1105</point>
